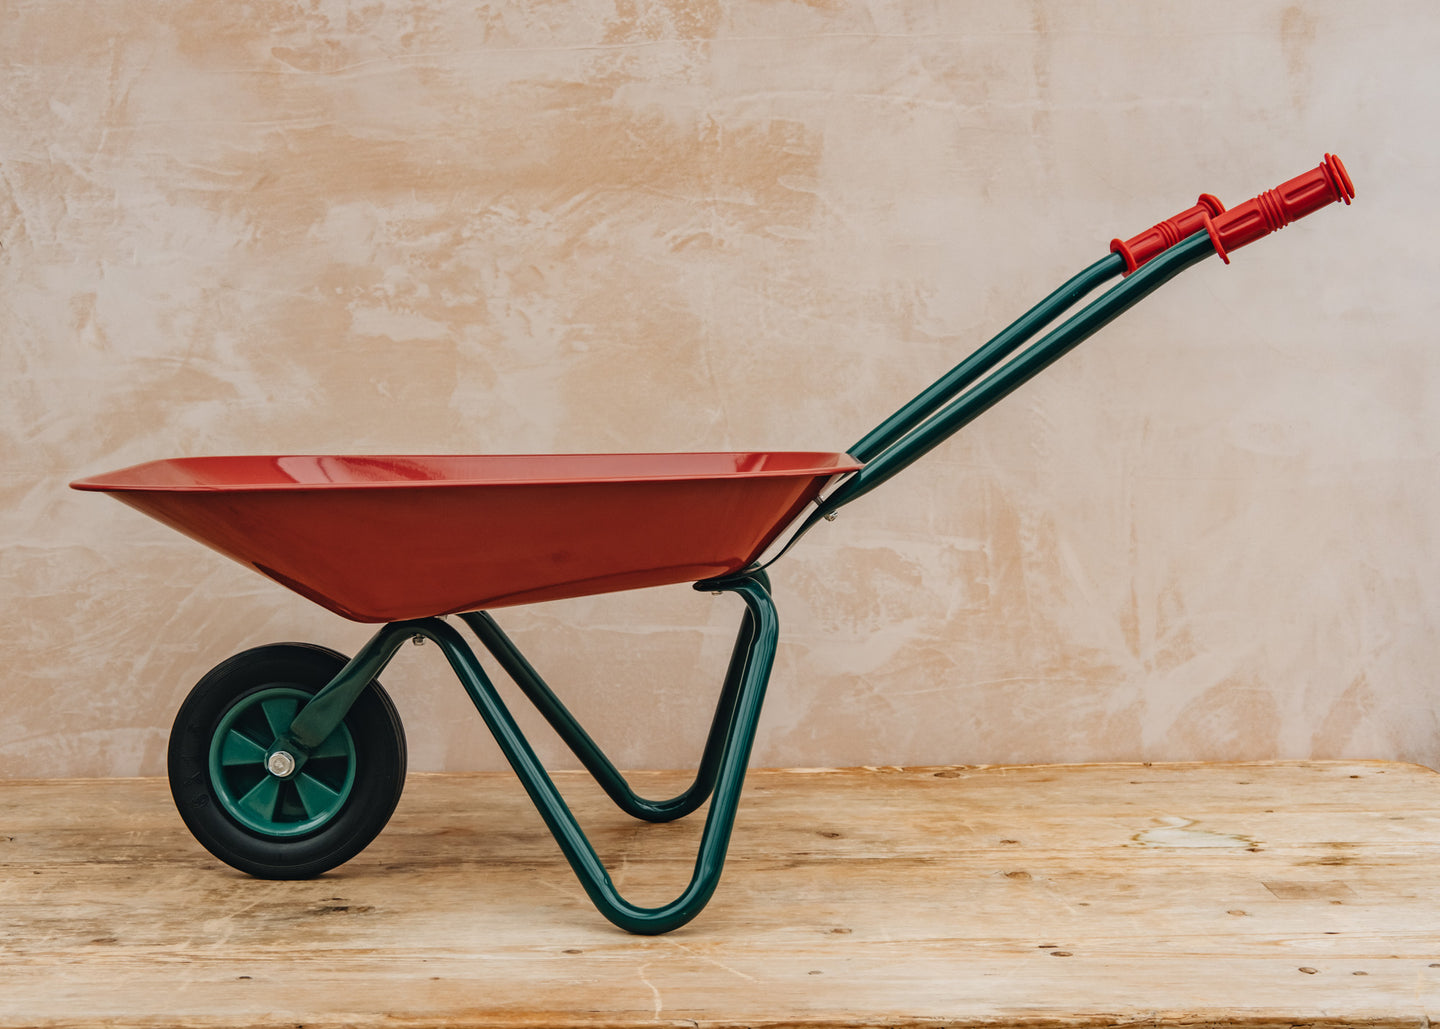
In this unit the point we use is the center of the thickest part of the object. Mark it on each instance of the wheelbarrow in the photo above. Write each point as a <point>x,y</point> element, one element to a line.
<point>287,760</point>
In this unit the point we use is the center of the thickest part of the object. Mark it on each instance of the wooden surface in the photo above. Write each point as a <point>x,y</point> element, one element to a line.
<point>1246,895</point>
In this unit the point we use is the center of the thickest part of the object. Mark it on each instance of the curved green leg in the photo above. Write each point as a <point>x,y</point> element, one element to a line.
<point>733,759</point>
<point>589,753</point>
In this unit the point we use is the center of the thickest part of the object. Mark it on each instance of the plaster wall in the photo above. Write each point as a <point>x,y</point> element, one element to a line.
<point>631,225</point>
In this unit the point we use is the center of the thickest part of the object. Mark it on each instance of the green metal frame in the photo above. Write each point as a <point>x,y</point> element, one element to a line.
<point>969,389</point>
<point>722,766</point>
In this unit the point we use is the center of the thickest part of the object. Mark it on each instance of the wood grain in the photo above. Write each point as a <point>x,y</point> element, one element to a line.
<point>1063,896</point>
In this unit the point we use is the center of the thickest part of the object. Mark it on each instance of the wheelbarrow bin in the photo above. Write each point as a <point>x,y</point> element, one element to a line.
<point>379,539</point>
<point>286,760</point>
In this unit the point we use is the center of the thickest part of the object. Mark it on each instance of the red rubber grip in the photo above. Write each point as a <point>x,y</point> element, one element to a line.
<point>1276,208</point>
<point>1163,235</point>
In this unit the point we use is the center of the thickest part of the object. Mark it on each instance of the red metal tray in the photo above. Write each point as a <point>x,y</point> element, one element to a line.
<point>379,539</point>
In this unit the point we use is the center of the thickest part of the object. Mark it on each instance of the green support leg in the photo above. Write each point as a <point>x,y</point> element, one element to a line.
<point>726,758</point>
<point>589,753</point>
<point>734,758</point>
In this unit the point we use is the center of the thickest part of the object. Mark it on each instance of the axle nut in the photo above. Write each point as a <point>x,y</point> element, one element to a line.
<point>281,763</point>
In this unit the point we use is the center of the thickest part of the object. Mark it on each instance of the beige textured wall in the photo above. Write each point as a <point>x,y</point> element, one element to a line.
<point>686,224</point>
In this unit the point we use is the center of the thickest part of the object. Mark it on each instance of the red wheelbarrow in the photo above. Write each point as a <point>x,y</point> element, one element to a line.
<point>287,760</point>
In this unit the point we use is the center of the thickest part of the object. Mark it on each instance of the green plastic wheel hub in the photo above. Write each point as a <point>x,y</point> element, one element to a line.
<point>240,767</point>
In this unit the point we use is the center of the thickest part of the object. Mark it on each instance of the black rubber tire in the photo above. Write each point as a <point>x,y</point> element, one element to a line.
<point>379,765</point>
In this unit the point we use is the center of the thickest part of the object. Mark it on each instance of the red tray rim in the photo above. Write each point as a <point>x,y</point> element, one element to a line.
<point>808,463</point>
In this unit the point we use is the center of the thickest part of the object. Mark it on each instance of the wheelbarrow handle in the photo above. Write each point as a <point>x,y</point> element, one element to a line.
<point>1276,208</point>
<point>1232,229</point>
<point>982,379</point>
<point>1163,235</point>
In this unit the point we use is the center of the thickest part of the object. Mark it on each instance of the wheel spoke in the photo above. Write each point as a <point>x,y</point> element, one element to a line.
<point>239,749</point>
<point>280,712</point>
<point>260,803</point>
<point>317,798</point>
<point>335,745</point>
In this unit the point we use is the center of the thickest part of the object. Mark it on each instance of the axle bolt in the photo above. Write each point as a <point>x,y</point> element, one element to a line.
<point>281,763</point>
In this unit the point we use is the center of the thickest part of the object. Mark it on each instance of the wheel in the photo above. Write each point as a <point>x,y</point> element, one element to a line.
<point>297,824</point>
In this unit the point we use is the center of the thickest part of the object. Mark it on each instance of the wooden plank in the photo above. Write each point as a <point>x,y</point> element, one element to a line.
<point>1229,895</point>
